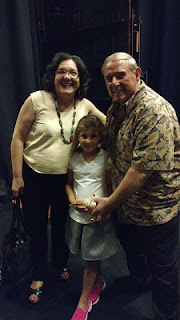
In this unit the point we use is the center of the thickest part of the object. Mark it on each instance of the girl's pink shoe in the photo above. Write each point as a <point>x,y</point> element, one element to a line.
<point>79,314</point>
<point>95,293</point>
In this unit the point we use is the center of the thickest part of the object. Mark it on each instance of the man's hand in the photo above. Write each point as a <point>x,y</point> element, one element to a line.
<point>103,211</point>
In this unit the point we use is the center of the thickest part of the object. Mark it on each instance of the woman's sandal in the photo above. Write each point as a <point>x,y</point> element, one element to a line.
<point>36,292</point>
<point>64,274</point>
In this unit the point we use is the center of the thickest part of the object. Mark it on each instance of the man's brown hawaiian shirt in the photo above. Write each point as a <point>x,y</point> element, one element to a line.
<point>147,138</point>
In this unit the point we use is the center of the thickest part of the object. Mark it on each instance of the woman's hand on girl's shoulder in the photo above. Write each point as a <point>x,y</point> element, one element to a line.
<point>95,111</point>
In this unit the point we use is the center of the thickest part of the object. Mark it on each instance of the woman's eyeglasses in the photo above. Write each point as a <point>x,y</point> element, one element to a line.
<point>71,74</point>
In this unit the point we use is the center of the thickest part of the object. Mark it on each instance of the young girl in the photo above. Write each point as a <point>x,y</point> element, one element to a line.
<point>88,177</point>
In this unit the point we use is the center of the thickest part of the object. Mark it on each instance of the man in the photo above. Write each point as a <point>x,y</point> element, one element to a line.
<point>143,144</point>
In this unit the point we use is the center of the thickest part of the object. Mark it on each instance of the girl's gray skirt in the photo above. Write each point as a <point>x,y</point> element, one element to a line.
<point>96,242</point>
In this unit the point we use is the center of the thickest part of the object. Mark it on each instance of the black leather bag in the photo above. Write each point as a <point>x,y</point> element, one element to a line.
<point>16,258</point>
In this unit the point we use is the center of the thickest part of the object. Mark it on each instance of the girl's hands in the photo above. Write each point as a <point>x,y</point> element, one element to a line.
<point>79,206</point>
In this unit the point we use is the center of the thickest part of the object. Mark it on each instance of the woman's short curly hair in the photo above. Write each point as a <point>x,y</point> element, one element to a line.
<point>48,78</point>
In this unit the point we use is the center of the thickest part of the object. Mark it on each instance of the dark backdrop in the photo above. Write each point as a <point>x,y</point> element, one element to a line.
<point>87,29</point>
<point>22,57</point>
<point>160,46</point>
<point>19,67</point>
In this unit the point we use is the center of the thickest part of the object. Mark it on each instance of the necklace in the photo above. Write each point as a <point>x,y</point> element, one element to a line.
<point>61,125</point>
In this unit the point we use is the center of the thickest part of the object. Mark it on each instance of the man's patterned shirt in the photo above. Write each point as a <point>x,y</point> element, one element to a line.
<point>147,138</point>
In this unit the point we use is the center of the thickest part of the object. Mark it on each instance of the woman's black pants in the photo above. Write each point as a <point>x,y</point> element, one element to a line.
<point>40,191</point>
<point>155,249</point>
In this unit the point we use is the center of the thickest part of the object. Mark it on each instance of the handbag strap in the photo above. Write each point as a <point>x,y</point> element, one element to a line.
<point>17,216</point>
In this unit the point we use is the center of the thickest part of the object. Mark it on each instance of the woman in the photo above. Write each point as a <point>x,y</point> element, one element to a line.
<point>40,152</point>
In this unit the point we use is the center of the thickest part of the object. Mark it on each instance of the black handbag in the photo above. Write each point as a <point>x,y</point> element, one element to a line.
<point>15,263</point>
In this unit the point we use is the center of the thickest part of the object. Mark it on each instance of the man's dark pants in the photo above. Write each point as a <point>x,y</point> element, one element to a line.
<point>155,250</point>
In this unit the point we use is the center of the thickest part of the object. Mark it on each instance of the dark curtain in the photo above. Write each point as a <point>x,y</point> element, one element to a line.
<point>160,46</point>
<point>19,69</point>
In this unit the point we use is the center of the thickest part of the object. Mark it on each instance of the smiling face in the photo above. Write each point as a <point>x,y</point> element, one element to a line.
<point>89,140</point>
<point>66,79</point>
<point>121,81</point>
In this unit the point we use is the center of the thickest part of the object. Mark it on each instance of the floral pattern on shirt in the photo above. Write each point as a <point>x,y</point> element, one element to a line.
<point>146,138</point>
